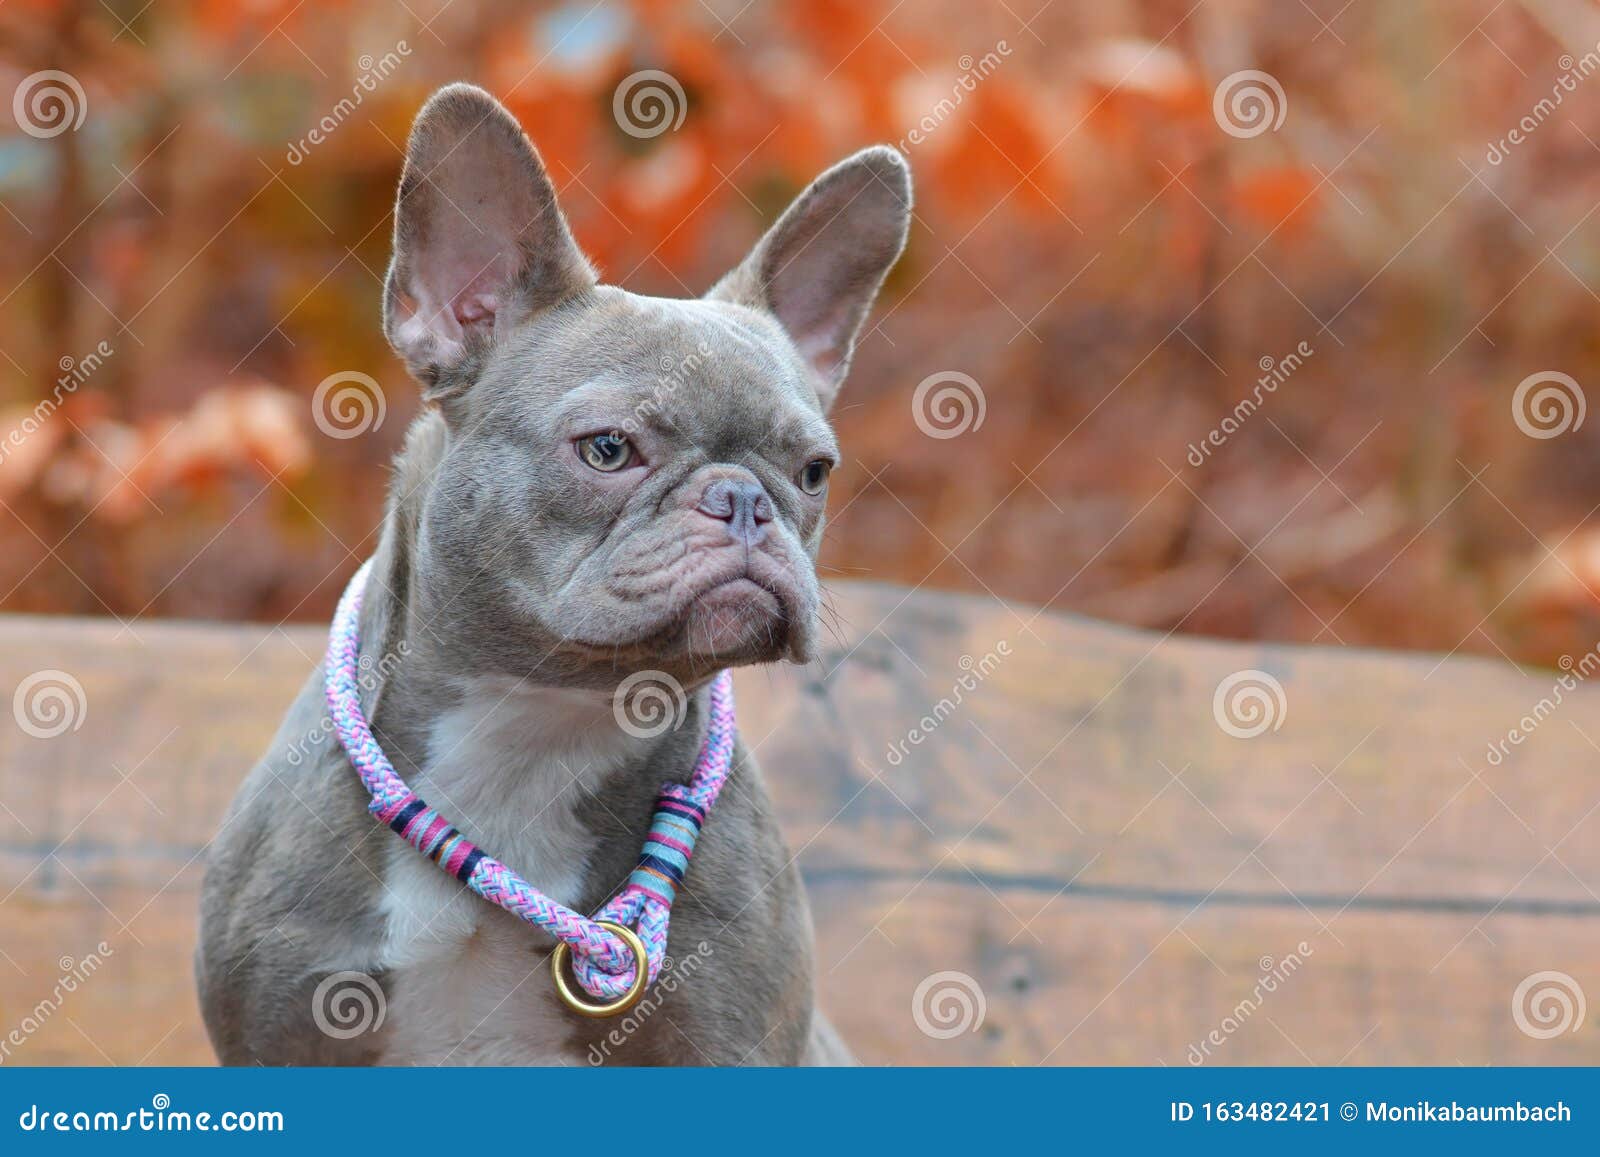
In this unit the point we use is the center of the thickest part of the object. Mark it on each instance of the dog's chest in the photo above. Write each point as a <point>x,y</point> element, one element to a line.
<point>468,983</point>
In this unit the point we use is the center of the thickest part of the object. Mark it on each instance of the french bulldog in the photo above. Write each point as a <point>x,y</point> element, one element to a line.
<point>600,484</point>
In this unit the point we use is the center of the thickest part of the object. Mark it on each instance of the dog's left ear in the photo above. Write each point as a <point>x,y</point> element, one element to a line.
<point>479,242</point>
<point>820,267</point>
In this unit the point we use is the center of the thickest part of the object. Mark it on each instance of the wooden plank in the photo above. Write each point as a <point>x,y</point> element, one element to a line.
<point>1046,805</point>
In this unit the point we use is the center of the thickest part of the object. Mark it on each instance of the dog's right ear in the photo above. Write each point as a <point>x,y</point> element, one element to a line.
<point>479,242</point>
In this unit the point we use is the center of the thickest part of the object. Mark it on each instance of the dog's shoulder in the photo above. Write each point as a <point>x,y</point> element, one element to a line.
<point>288,898</point>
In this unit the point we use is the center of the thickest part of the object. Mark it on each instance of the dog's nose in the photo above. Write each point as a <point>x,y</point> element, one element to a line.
<point>741,503</point>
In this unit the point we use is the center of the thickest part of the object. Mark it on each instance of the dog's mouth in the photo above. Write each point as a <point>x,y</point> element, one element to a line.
<point>749,612</point>
<point>735,618</point>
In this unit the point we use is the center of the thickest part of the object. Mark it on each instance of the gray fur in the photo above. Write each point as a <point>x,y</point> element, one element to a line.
<point>514,588</point>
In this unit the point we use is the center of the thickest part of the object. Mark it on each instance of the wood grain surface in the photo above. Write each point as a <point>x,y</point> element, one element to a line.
<point>1026,815</point>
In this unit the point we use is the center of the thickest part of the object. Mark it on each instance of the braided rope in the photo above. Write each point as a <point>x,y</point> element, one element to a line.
<point>601,962</point>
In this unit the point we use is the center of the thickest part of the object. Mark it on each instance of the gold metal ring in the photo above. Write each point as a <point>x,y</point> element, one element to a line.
<point>570,994</point>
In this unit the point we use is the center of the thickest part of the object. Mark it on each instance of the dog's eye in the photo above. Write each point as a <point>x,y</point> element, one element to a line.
<point>606,452</point>
<point>814,475</point>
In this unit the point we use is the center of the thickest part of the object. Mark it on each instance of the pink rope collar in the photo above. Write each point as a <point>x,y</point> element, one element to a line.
<point>602,963</point>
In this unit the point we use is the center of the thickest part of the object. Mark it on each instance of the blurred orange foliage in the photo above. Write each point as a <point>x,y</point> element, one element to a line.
<point>1092,247</point>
